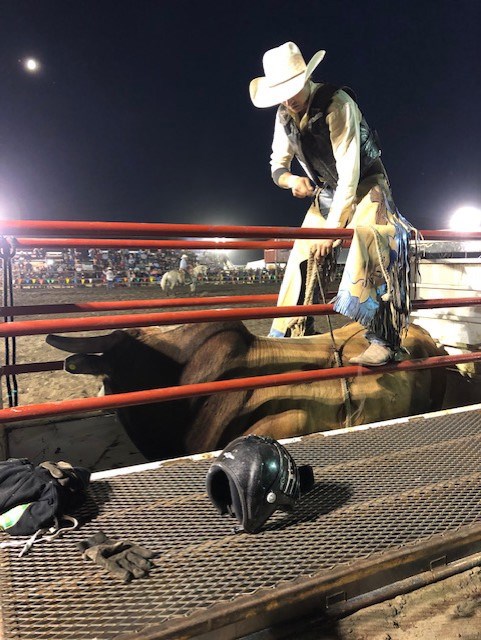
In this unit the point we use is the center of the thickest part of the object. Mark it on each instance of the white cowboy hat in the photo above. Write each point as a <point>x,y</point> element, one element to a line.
<point>285,74</point>
<point>185,256</point>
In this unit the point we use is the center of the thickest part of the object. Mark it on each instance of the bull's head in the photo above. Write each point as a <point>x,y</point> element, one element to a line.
<point>127,361</point>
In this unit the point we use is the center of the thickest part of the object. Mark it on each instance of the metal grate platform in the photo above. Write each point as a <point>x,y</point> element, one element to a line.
<point>382,495</point>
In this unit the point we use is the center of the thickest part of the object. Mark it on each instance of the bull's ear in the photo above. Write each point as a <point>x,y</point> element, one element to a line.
<point>86,363</point>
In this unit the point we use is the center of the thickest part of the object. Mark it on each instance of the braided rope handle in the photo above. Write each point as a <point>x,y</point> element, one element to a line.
<point>298,329</point>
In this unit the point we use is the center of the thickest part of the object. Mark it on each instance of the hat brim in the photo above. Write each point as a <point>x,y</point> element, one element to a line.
<point>263,95</point>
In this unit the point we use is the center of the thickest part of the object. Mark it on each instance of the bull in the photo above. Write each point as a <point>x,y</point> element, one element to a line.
<point>153,357</point>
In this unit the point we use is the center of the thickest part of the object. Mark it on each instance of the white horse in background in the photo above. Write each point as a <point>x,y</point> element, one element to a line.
<point>198,272</point>
<point>172,279</point>
<point>175,277</point>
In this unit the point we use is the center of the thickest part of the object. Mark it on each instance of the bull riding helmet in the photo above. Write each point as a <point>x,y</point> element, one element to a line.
<point>253,477</point>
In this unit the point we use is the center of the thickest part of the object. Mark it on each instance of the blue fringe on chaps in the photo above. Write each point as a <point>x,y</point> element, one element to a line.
<point>375,288</point>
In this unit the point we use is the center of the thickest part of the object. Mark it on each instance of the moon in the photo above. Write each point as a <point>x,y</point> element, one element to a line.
<point>31,65</point>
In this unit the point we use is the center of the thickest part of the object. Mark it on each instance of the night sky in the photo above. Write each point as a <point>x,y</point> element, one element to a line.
<point>141,111</point>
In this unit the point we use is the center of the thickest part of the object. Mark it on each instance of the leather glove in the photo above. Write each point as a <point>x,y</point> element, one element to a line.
<point>63,472</point>
<point>123,560</point>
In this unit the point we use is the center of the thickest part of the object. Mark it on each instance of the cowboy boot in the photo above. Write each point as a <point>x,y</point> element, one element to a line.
<point>375,355</point>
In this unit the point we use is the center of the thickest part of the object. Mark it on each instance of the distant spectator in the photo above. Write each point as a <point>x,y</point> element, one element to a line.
<point>109,277</point>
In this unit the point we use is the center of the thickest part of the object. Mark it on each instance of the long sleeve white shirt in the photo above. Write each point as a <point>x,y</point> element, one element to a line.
<point>343,119</point>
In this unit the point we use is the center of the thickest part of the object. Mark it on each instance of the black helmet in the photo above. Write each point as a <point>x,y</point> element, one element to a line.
<point>253,477</point>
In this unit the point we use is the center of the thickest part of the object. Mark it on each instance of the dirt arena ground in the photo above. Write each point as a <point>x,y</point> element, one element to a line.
<point>447,610</point>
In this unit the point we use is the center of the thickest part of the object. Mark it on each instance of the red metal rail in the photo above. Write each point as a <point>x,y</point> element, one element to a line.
<point>89,230</point>
<point>64,243</point>
<point>31,367</point>
<point>438,303</point>
<point>66,228</point>
<point>99,323</point>
<point>116,401</point>
<point>221,244</point>
<point>117,305</point>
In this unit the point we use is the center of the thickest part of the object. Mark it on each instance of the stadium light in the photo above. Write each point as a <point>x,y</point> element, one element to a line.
<point>466,218</point>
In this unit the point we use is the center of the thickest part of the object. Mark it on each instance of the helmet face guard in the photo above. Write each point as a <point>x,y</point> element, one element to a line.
<point>253,477</point>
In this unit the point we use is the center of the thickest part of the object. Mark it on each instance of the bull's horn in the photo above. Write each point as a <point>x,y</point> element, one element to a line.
<point>89,344</point>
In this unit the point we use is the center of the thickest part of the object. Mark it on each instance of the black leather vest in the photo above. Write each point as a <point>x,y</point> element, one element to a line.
<point>312,145</point>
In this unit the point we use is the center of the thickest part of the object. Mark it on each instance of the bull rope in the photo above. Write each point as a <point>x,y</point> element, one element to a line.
<point>298,325</point>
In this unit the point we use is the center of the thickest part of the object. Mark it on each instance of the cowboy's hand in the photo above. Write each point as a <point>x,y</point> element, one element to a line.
<point>123,560</point>
<point>322,248</point>
<point>300,186</point>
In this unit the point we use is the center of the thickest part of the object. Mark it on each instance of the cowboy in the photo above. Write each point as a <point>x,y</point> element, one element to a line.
<point>322,126</point>
<point>184,265</point>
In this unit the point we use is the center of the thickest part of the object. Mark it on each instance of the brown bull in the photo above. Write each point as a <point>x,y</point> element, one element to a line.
<point>152,357</point>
